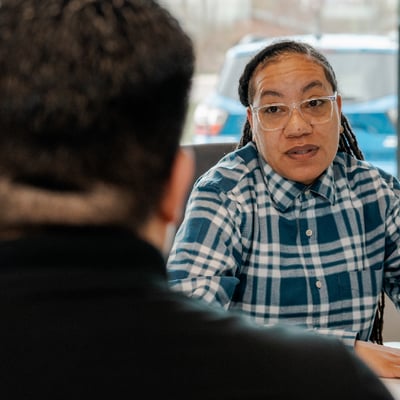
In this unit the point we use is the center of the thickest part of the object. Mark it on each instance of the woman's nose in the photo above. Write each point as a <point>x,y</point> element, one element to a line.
<point>296,125</point>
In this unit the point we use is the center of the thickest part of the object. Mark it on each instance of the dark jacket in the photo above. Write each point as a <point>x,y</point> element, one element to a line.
<point>87,314</point>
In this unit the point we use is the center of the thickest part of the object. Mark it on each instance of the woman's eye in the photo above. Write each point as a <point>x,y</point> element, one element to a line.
<point>273,109</point>
<point>316,103</point>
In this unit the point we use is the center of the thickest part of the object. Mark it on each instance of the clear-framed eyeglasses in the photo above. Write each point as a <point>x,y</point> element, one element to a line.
<point>275,116</point>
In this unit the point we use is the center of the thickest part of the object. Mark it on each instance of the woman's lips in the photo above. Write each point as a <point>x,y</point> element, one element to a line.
<point>302,152</point>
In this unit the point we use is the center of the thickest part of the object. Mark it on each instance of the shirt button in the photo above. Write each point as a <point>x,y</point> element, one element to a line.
<point>318,284</point>
<point>309,232</point>
<point>307,192</point>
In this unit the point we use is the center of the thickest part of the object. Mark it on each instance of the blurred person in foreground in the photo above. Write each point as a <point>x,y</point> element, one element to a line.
<point>294,226</point>
<point>93,100</point>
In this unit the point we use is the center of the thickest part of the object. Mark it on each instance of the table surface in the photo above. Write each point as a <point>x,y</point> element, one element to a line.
<point>394,386</point>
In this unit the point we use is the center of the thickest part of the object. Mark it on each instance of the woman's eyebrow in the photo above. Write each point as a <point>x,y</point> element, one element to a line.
<point>268,92</point>
<point>312,85</point>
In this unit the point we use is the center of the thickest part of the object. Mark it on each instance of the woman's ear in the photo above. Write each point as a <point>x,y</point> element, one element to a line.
<point>178,186</point>
<point>339,103</point>
<point>249,117</point>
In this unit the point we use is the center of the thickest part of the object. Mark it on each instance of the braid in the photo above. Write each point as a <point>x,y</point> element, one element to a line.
<point>348,144</point>
<point>347,140</point>
<point>377,329</point>
<point>246,135</point>
<point>244,95</point>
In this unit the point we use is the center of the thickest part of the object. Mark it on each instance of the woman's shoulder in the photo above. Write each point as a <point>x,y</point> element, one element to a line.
<point>234,170</point>
<point>363,174</point>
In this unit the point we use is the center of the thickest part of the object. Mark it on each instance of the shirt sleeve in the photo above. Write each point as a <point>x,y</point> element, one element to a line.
<point>206,253</point>
<point>391,281</point>
<point>347,337</point>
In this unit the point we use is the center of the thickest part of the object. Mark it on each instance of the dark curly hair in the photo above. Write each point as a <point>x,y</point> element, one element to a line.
<point>99,92</point>
<point>347,141</point>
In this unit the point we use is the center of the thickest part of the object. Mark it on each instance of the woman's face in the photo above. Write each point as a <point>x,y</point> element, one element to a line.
<point>299,151</point>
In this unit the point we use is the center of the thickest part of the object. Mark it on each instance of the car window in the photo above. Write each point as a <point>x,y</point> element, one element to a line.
<point>365,76</point>
<point>228,81</point>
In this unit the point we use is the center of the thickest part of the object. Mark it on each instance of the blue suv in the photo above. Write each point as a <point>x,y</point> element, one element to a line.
<point>366,70</point>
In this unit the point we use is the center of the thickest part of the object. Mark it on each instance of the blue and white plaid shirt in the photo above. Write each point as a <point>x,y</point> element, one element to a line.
<point>277,250</point>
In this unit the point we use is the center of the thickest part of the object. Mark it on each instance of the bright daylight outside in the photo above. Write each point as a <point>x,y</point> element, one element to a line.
<point>359,37</point>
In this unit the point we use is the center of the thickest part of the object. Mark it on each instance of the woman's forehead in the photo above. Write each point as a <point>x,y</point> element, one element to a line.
<point>290,62</point>
<point>293,70</point>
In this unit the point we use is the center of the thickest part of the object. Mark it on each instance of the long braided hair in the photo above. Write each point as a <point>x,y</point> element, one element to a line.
<point>347,141</point>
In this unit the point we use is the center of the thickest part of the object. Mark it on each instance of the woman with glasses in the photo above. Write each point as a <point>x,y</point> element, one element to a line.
<point>293,226</point>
